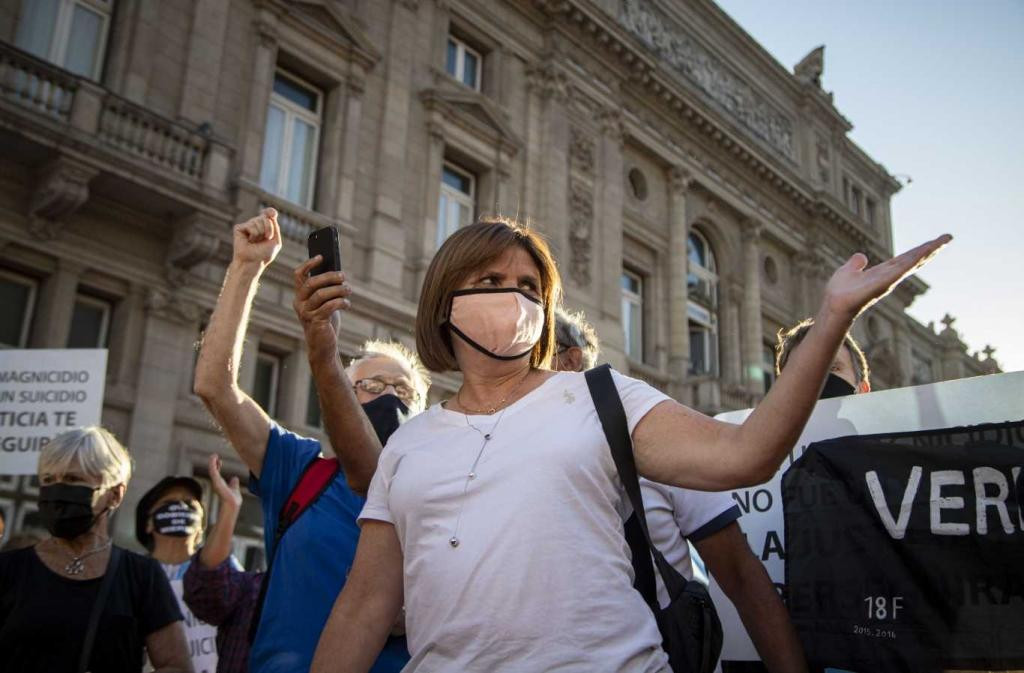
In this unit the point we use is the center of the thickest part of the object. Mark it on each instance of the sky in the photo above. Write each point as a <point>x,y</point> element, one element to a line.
<point>935,91</point>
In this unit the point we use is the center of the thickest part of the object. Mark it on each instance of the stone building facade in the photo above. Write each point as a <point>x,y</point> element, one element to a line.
<point>697,193</point>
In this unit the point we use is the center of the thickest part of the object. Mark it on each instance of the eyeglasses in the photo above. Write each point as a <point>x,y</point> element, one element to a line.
<point>376,386</point>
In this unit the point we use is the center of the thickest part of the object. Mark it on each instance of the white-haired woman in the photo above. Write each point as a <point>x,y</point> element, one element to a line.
<point>48,592</point>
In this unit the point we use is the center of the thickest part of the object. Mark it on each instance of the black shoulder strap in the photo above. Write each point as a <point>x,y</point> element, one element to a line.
<point>97,608</point>
<point>616,431</point>
<point>317,476</point>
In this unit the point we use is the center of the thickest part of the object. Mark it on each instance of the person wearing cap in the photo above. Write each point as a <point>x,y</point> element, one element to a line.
<point>689,527</point>
<point>169,524</point>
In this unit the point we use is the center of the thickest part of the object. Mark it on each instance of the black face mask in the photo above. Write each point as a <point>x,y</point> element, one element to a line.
<point>176,518</point>
<point>836,386</point>
<point>385,414</point>
<point>66,509</point>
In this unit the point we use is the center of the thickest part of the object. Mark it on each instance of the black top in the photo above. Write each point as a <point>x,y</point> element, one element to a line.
<point>43,616</point>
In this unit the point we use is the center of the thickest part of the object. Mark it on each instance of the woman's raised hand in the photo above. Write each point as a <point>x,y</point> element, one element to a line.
<point>855,286</point>
<point>230,494</point>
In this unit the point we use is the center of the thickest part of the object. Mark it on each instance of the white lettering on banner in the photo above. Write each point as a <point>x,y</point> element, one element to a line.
<point>982,477</point>
<point>1020,497</point>
<point>42,393</point>
<point>939,502</point>
<point>897,529</point>
<point>965,402</point>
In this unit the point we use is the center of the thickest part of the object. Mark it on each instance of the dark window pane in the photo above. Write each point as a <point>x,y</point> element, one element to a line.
<point>457,180</point>
<point>295,92</point>
<point>469,70</point>
<point>313,406</point>
<point>87,326</point>
<point>698,361</point>
<point>452,57</point>
<point>263,388</point>
<point>13,306</point>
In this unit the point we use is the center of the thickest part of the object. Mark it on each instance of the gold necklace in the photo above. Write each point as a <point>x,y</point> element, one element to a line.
<point>499,405</point>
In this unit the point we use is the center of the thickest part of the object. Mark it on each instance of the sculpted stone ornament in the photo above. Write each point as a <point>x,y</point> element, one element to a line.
<point>548,81</point>
<point>61,189</point>
<point>171,306</point>
<point>812,67</point>
<point>195,240</point>
<point>705,70</point>
<point>581,151</point>
<point>581,224</point>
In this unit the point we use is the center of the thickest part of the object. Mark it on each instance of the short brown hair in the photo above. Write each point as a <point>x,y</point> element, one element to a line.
<point>471,248</point>
<point>788,339</point>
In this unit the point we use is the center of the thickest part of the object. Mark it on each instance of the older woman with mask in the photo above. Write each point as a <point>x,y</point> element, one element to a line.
<point>497,515</point>
<point>52,592</point>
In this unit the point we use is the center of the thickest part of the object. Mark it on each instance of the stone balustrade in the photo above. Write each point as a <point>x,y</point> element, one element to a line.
<point>35,84</point>
<point>87,108</point>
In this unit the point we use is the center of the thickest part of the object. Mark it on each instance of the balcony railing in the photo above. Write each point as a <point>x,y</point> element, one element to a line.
<point>82,105</point>
<point>36,84</point>
<point>162,141</point>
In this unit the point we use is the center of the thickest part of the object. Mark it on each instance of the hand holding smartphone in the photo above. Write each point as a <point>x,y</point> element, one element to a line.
<point>325,242</point>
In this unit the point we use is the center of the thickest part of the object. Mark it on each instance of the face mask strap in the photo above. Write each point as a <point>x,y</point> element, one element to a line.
<point>483,350</point>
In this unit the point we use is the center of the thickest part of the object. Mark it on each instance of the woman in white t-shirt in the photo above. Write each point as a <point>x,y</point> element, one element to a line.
<point>496,516</point>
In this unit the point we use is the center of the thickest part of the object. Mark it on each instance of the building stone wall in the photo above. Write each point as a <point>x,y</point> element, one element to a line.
<point>125,188</point>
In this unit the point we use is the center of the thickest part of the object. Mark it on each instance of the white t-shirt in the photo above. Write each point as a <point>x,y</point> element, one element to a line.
<point>678,516</point>
<point>541,579</point>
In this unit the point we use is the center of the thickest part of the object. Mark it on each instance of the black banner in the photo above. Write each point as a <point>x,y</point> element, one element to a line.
<point>905,552</point>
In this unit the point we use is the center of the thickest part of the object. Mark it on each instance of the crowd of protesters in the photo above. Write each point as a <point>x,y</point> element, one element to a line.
<point>480,533</point>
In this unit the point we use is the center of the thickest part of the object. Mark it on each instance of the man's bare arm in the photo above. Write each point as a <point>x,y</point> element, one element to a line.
<point>350,432</point>
<point>246,425</point>
<point>747,584</point>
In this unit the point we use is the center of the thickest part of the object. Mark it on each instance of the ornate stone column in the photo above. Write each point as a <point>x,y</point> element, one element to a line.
<point>549,84</point>
<point>56,305</point>
<point>904,356</point>
<point>171,324</point>
<point>678,289</point>
<point>753,378</point>
<point>608,203</point>
<point>729,339</point>
<point>203,61</point>
<point>385,237</point>
<point>261,83</point>
<point>294,387</point>
<point>355,86</point>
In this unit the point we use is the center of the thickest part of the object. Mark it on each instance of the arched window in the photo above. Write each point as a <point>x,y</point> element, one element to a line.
<point>702,307</point>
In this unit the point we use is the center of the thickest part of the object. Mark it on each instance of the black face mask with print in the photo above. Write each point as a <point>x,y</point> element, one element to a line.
<point>66,509</point>
<point>176,518</point>
<point>836,386</point>
<point>385,414</point>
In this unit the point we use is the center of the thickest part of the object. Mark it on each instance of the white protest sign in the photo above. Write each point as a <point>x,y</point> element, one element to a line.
<point>201,637</point>
<point>985,399</point>
<point>44,392</point>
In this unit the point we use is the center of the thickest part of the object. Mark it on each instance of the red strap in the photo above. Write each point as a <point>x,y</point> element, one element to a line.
<point>311,485</point>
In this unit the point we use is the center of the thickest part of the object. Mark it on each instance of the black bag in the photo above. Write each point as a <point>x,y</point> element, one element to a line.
<point>690,629</point>
<point>109,577</point>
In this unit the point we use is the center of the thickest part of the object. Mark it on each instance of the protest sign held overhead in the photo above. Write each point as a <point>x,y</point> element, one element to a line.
<point>905,551</point>
<point>989,399</point>
<point>44,392</point>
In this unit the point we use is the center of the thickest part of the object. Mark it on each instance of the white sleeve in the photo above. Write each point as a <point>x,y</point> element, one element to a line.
<point>638,397</point>
<point>376,506</point>
<point>702,513</point>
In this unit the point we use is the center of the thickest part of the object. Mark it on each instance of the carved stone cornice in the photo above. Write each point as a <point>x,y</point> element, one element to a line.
<point>172,307</point>
<point>610,120</point>
<point>62,186</point>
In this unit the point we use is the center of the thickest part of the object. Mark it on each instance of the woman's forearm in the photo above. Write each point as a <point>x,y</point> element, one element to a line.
<point>218,546</point>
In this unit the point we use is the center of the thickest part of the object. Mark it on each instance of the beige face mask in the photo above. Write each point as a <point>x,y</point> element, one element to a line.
<point>503,323</point>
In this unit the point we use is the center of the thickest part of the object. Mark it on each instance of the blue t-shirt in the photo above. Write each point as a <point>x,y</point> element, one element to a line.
<point>311,566</point>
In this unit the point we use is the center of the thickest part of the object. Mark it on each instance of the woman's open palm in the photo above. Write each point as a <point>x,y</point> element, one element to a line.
<point>855,286</point>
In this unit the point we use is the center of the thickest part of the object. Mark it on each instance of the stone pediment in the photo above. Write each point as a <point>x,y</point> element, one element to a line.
<point>474,112</point>
<point>327,20</point>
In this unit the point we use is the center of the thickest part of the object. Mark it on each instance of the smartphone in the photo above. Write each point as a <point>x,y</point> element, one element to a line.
<point>324,242</point>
